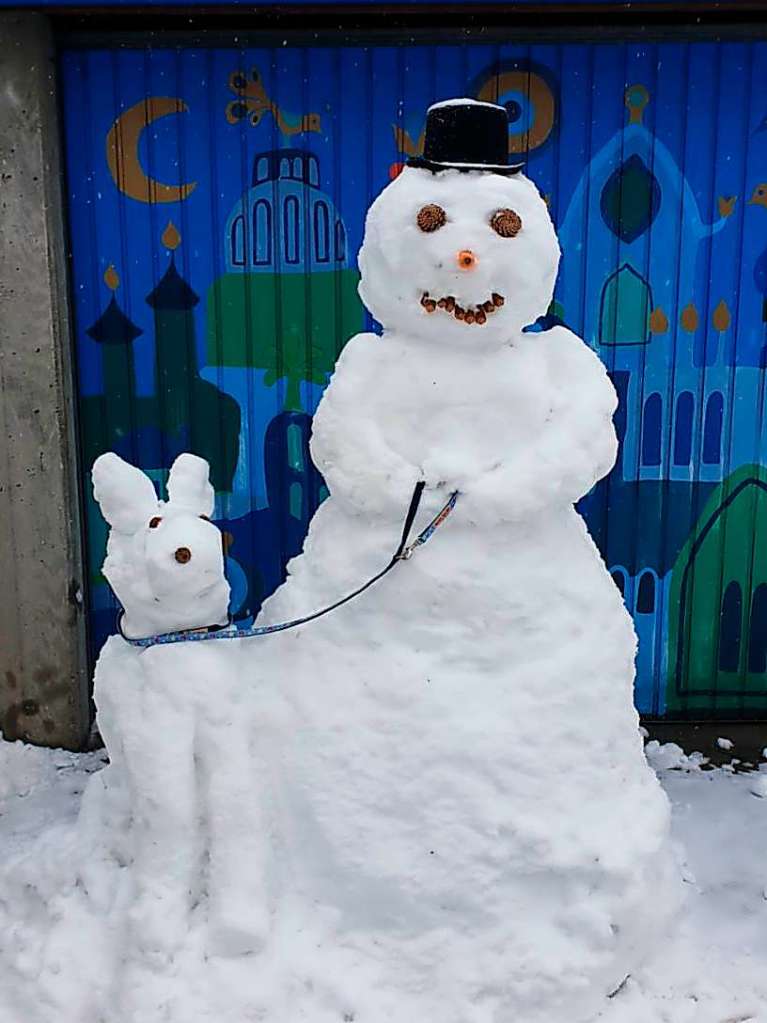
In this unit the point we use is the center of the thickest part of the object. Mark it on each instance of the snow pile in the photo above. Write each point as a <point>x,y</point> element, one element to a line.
<point>711,968</point>
<point>24,768</point>
<point>432,804</point>
<point>669,756</point>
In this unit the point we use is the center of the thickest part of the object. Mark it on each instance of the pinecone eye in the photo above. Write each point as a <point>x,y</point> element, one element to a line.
<point>431,217</point>
<point>506,223</point>
<point>155,522</point>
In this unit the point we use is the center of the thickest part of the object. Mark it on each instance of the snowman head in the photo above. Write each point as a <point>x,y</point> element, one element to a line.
<point>458,257</point>
<point>460,248</point>
<point>164,558</point>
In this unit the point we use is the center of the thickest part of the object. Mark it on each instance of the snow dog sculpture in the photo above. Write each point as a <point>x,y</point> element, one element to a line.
<point>173,718</point>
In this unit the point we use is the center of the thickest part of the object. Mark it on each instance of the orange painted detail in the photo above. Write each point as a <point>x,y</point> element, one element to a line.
<point>111,278</point>
<point>539,95</point>
<point>171,238</point>
<point>254,102</point>
<point>726,205</point>
<point>658,321</point>
<point>689,318</point>
<point>636,99</point>
<point>122,152</point>
<point>721,317</point>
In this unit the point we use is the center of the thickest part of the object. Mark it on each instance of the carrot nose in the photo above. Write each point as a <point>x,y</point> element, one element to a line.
<point>466,259</point>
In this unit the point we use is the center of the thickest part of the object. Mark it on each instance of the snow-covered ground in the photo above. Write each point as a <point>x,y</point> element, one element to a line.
<point>711,969</point>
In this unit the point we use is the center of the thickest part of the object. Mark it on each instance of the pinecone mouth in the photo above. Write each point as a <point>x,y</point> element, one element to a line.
<point>467,314</point>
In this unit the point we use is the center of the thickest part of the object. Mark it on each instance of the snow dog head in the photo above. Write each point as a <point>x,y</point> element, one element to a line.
<point>460,257</point>
<point>164,558</point>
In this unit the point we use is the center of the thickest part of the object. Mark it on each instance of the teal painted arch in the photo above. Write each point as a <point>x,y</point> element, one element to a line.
<point>625,307</point>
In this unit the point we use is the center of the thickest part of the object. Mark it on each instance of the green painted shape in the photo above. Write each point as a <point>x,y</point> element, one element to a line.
<point>624,316</point>
<point>176,366</point>
<point>729,543</point>
<point>630,199</point>
<point>295,454</point>
<point>556,309</point>
<point>292,326</point>
<point>296,500</point>
<point>183,401</point>
<point>213,425</point>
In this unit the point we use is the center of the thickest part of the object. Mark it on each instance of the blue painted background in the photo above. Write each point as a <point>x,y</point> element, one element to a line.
<point>213,336</point>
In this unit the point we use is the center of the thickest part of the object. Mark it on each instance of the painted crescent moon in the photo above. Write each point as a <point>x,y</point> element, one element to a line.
<point>122,146</point>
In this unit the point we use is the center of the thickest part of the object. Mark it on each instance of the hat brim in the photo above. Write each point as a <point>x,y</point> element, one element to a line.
<point>489,168</point>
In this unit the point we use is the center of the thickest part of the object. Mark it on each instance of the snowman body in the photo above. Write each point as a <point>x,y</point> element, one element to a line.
<point>472,820</point>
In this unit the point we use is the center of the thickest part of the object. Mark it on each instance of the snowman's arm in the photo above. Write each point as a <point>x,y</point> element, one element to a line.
<point>577,445</point>
<point>348,445</point>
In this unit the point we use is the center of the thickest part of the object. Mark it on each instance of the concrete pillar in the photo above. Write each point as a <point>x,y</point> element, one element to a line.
<point>43,682</point>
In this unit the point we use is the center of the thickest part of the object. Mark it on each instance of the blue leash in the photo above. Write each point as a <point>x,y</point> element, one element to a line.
<point>403,552</point>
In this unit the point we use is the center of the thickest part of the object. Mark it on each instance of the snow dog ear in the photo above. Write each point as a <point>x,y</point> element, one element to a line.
<point>126,496</point>
<point>188,486</point>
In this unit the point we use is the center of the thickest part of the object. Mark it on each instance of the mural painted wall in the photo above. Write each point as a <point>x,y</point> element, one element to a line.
<point>216,204</point>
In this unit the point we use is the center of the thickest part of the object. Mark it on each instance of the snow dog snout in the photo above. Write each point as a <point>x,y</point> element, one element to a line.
<point>165,560</point>
<point>183,552</point>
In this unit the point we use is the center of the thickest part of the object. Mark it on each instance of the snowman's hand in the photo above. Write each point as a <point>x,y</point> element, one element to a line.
<point>364,473</point>
<point>576,447</point>
<point>348,444</point>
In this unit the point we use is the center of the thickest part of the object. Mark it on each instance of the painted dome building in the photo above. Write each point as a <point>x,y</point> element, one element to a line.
<point>283,310</point>
<point>284,223</point>
<point>671,517</point>
<point>643,241</point>
<point>277,320</point>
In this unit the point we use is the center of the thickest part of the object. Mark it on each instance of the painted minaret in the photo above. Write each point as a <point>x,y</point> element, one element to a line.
<point>189,407</point>
<point>115,332</point>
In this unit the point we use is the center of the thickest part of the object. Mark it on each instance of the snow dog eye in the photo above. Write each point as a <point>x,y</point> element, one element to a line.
<point>506,223</point>
<point>431,217</point>
<point>155,522</point>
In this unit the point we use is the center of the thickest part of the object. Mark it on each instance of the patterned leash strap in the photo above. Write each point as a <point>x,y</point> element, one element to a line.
<point>403,553</point>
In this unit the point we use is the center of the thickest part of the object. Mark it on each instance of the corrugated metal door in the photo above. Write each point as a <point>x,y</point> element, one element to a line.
<point>216,203</point>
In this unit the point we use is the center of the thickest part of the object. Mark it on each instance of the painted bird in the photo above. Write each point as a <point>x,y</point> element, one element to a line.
<point>253,101</point>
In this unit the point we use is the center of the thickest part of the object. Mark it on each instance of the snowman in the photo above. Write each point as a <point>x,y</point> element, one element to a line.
<point>469,829</point>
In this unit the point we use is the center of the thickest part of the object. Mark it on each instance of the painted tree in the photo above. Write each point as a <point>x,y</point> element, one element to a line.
<point>293,326</point>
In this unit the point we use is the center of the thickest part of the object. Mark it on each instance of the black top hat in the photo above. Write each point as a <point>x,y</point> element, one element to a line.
<point>466,134</point>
